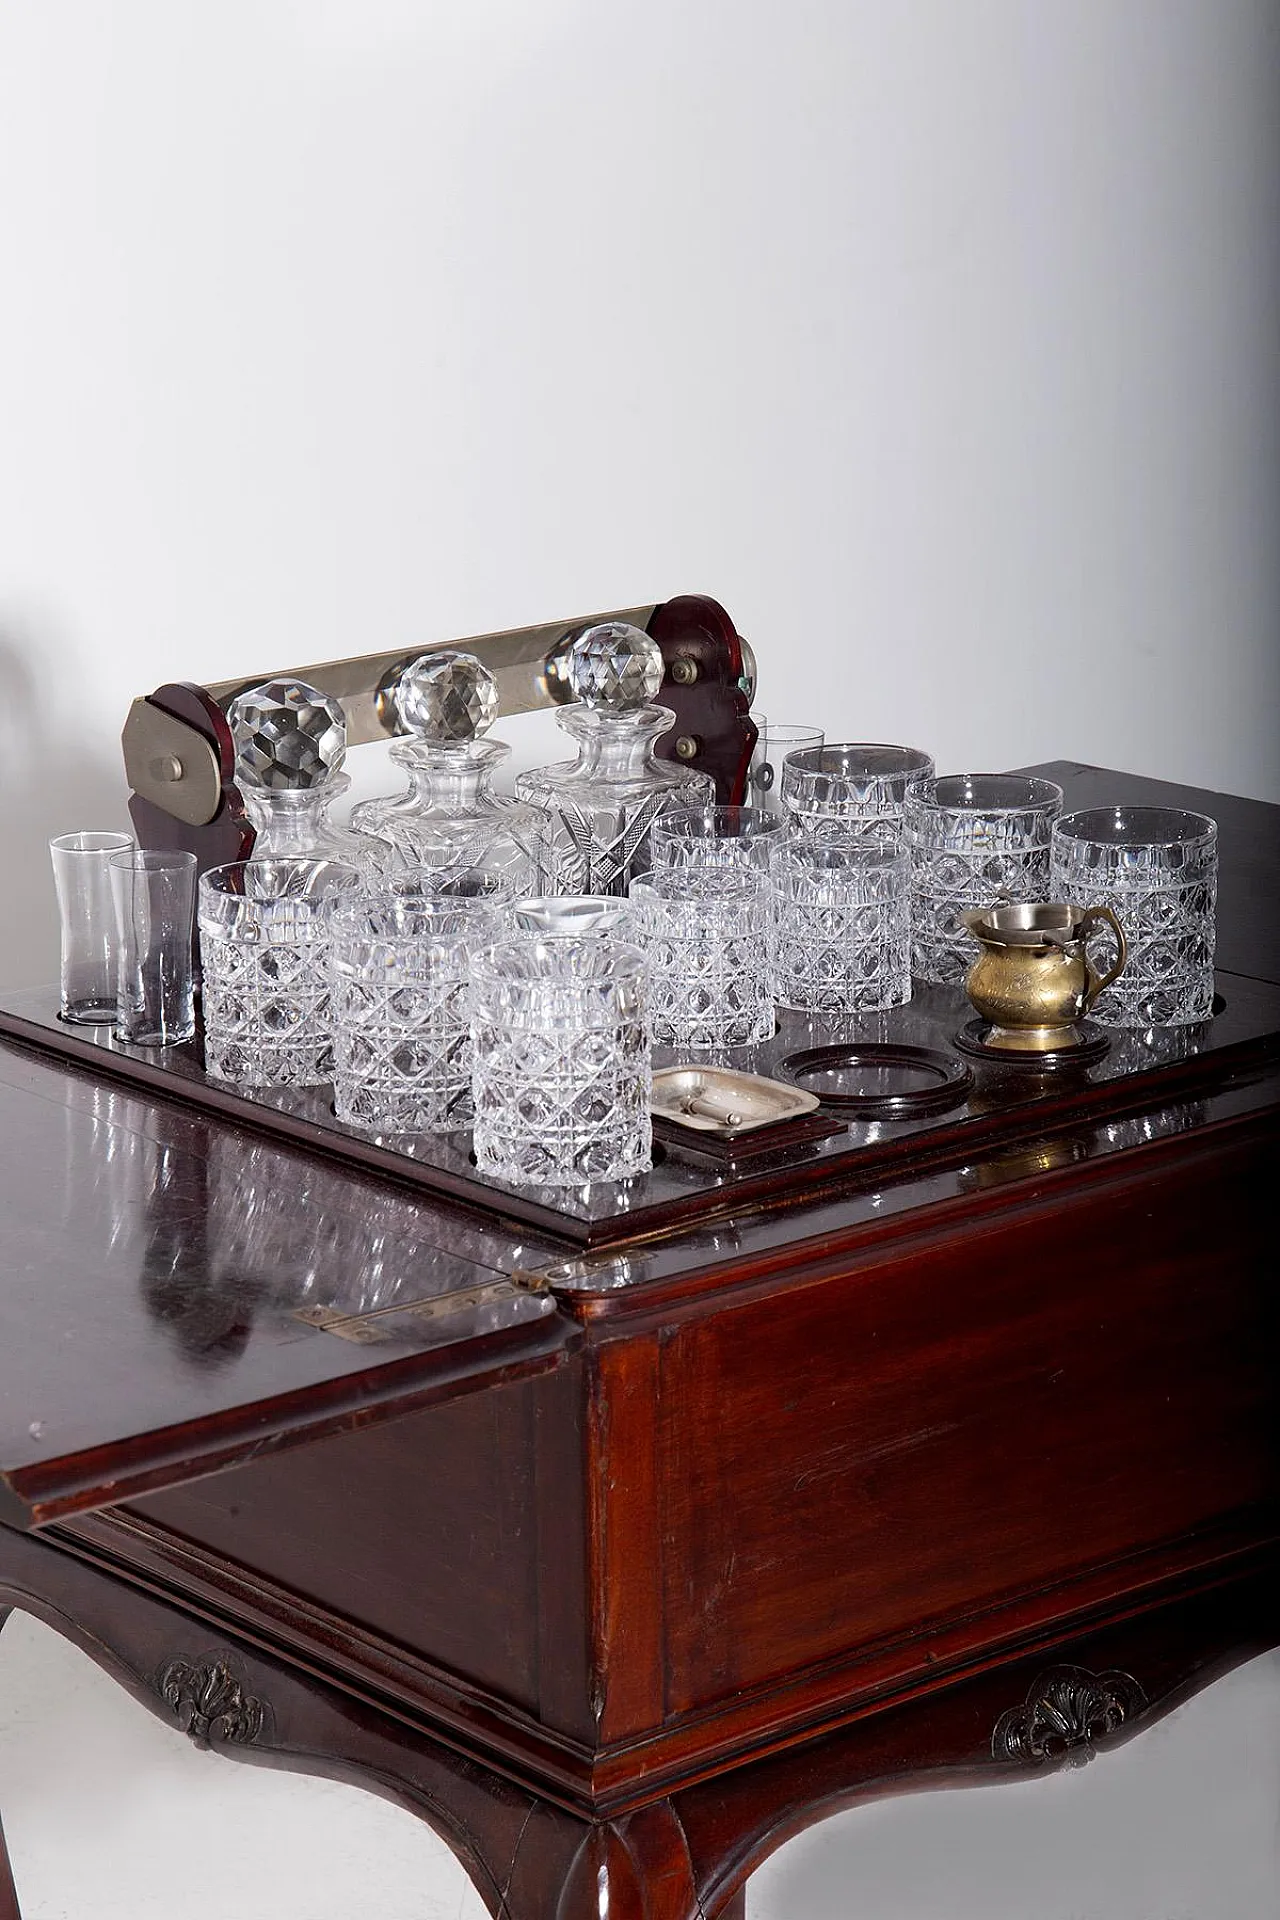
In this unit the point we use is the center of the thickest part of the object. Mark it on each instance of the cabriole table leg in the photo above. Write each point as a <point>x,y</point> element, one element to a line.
<point>9,1909</point>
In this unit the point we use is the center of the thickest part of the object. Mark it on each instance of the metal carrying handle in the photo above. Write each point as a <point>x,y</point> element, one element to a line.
<point>1097,982</point>
<point>180,760</point>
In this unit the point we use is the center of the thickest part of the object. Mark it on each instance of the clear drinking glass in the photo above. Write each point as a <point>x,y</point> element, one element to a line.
<point>975,839</point>
<point>841,792</point>
<point>400,963</point>
<point>90,945</point>
<point>1157,869</point>
<point>705,937</point>
<point>839,924</point>
<point>561,1075</point>
<point>264,953</point>
<point>775,741</point>
<point>154,894</point>
<point>698,840</point>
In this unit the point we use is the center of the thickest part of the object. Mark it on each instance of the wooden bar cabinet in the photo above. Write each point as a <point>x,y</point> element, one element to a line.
<point>621,1535</point>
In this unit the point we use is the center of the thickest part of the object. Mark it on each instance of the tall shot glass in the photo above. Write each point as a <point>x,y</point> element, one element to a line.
<point>264,953</point>
<point>976,839</point>
<point>839,924</point>
<point>561,1074</point>
<point>154,894</point>
<point>1157,869</point>
<point>86,911</point>
<point>400,965</point>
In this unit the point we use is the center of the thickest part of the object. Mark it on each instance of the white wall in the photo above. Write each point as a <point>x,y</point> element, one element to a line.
<point>937,338</point>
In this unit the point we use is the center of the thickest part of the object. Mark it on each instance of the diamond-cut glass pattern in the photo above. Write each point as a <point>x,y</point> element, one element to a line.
<point>264,948</point>
<point>615,665</point>
<point>447,696</point>
<point>692,841</point>
<point>286,735</point>
<point>400,973</point>
<point>602,805</point>
<point>839,925</point>
<point>1156,868</point>
<point>708,960</point>
<point>504,837</point>
<point>561,1076</point>
<point>975,839</point>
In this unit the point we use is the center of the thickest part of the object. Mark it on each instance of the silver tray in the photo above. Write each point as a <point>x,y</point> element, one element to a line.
<point>720,1101</point>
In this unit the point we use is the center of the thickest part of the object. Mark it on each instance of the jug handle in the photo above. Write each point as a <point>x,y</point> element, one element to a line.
<point>1092,917</point>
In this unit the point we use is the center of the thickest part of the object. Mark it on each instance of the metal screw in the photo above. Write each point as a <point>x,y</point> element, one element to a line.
<point>687,747</point>
<point>165,767</point>
<point>684,671</point>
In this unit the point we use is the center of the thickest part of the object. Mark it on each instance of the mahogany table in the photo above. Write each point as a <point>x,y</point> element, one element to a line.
<point>621,1535</point>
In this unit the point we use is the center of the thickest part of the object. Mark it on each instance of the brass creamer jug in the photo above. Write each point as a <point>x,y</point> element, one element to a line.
<point>1033,980</point>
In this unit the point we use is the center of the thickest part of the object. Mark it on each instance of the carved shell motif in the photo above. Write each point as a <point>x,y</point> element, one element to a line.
<point>211,1703</point>
<point>1067,1709</point>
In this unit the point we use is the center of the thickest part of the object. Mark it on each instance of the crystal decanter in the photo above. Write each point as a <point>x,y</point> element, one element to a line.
<point>290,741</point>
<point>603,804</point>
<point>449,817</point>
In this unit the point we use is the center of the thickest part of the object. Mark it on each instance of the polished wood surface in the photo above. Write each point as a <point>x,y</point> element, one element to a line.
<point>619,1558</point>
<point>158,1273</point>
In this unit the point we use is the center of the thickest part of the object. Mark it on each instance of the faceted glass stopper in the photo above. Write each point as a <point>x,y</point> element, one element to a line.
<point>287,735</point>
<point>447,696</point>
<point>616,666</point>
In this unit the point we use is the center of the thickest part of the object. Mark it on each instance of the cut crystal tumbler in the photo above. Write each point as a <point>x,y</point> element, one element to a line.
<point>400,963</point>
<point>839,924</point>
<point>976,839</point>
<point>708,957</point>
<point>1157,869</point>
<point>561,1076</point>
<point>843,792</point>
<point>264,953</point>
<point>692,841</point>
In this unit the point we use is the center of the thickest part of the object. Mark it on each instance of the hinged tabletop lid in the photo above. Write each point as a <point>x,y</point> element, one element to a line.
<point>177,1296</point>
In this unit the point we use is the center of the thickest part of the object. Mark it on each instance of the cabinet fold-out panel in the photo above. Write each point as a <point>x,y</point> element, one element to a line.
<point>179,1296</point>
